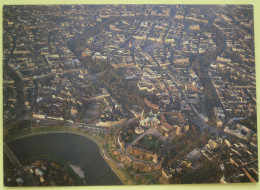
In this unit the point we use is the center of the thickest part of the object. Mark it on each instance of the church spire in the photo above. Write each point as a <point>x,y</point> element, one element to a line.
<point>142,115</point>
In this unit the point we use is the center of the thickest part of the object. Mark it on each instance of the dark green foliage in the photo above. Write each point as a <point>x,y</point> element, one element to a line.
<point>210,172</point>
<point>126,92</point>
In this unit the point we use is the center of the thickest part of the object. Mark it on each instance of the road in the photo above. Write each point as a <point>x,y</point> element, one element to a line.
<point>93,128</point>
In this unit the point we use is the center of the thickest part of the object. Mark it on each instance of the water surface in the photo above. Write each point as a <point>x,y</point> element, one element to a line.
<point>75,149</point>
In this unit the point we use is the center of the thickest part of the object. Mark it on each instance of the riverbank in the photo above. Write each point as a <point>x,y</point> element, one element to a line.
<point>103,152</point>
<point>99,141</point>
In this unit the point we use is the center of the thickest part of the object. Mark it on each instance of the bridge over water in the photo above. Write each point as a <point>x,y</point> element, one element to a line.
<point>25,173</point>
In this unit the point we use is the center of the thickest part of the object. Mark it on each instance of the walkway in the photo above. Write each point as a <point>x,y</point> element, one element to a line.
<point>152,131</point>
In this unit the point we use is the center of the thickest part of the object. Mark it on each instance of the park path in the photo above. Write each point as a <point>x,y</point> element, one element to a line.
<point>152,131</point>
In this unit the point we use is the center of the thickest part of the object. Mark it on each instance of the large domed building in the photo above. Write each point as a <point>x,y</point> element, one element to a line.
<point>151,120</point>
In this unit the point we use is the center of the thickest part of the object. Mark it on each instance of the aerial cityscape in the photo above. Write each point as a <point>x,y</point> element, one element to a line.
<point>129,95</point>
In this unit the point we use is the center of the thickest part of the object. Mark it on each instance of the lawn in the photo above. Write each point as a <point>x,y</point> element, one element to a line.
<point>50,128</point>
<point>18,133</point>
<point>149,142</point>
<point>128,134</point>
<point>27,131</point>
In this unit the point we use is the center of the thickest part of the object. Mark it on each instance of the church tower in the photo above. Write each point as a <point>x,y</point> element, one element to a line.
<point>142,115</point>
<point>130,43</point>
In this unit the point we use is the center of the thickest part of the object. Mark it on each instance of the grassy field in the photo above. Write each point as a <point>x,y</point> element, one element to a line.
<point>120,173</point>
<point>28,131</point>
<point>18,133</point>
<point>139,177</point>
<point>50,128</point>
<point>149,142</point>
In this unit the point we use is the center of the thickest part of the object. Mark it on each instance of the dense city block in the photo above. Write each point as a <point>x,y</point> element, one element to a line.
<point>167,92</point>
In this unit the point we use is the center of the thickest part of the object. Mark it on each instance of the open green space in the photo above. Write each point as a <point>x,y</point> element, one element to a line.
<point>120,173</point>
<point>50,128</point>
<point>139,177</point>
<point>129,138</point>
<point>150,142</point>
<point>126,92</point>
<point>128,135</point>
<point>18,133</point>
<point>27,131</point>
